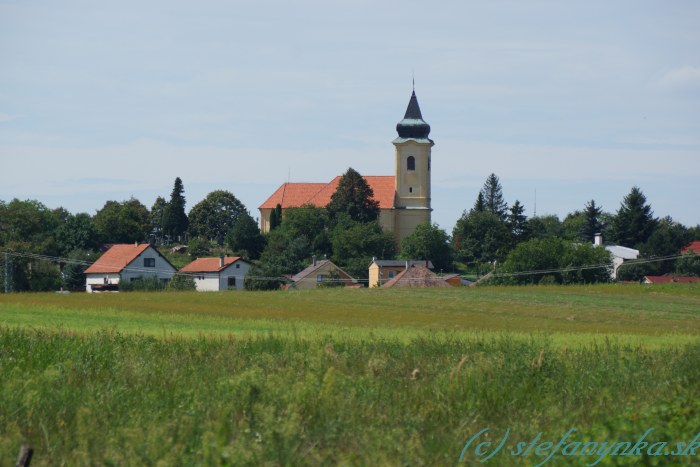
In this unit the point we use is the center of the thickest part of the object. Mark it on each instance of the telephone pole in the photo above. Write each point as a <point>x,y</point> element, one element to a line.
<point>8,272</point>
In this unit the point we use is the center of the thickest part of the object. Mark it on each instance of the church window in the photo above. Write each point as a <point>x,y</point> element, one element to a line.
<point>411,163</point>
<point>428,163</point>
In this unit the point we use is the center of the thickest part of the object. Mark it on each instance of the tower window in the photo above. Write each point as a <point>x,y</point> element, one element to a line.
<point>411,163</point>
<point>410,189</point>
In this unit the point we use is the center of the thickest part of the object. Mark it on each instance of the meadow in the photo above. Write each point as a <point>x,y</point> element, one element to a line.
<point>351,377</point>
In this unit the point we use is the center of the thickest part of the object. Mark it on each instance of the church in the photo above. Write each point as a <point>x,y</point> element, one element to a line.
<point>404,198</point>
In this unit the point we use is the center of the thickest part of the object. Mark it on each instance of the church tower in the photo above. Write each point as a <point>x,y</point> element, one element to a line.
<point>413,148</point>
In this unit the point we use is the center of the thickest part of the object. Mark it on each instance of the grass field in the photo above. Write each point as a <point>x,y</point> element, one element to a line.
<point>355,377</point>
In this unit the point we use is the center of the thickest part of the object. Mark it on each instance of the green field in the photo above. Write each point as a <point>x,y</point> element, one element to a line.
<point>353,377</point>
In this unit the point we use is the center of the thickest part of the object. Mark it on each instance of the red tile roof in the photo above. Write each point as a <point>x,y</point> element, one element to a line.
<point>669,279</point>
<point>209,264</point>
<point>292,195</point>
<point>116,258</point>
<point>694,246</point>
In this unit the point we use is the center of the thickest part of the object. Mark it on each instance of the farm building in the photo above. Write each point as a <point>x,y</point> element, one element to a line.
<point>214,274</point>
<point>416,276</point>
<point>320,271</point>
<point>383,270</point>
<point>126,262</point>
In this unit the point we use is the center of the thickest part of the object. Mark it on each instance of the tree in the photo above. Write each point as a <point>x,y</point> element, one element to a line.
<point>492,194</point>
<point>355,243</point>
<point>72,270</point>
<point>199,247</point>
<point>312,223</point>
<point>545,226</point>
<point>547,254</point>
<point>688,264</point>
<point>157,217</point>
<point>572,227</point>
<point>213,217</point>
<point>174,218</point>
<point>428,242</point>
<point>517,223</point>
<point>244,238</point>
<point>480,204</point>
<point>125,222</point>
<point>480,237</point>
<point>182,282</point>
<point>355,198</point>
<point>77,232</point>
<point>276,217</point>
<point>594,221</point>
<point>634,222</point>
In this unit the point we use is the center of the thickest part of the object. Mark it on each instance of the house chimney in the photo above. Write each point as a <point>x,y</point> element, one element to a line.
<point>136,243</point>
<point>313,260</point>
<point>598,239</point>
<point>221,261</point>
<point>406,264</point>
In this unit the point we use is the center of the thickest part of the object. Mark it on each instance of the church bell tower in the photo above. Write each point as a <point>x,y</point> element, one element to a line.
<point>413,148</point>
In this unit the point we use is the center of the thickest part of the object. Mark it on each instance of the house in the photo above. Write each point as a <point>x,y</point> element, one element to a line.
<point>670,279</point>
<point>320,271</point>
<point>620,254</point>
<point>383,270</point>
<point>416,276</point>
<point>213,274</point>
<point>126,262</point>
<point>404,198</point>
<point>694,247</point>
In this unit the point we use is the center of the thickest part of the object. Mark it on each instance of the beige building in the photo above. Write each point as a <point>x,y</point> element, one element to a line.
<point>404,198</point>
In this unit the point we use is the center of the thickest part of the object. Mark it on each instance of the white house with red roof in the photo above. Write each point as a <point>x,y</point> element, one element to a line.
<point>404,198</point>
<point>214,274</point>
<point>126,262</point>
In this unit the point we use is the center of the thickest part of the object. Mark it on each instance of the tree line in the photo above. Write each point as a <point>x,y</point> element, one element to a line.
<point>490,235</point>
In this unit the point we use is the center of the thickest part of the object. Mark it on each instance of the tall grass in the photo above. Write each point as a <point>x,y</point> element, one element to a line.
<point>109,398</point>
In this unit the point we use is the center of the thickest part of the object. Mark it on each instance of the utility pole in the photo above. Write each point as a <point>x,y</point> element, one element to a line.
<point>8,273</point>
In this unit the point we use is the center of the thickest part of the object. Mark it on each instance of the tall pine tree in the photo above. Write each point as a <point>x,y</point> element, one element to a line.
<point>175,220</point>
<point>593,223</point>
<point>493,197</point>
<point>634,222</point>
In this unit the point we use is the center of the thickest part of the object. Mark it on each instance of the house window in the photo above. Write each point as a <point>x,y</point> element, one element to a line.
<point>411,163</point>
<point>200,278</point>
<point>320,277</point>
<point>149,262</point>
<point>238,266</point>
<point>232,281</point>
<point>391,274</point>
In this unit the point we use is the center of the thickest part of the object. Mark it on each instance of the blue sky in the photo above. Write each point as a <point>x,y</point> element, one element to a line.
<point>573,100</point>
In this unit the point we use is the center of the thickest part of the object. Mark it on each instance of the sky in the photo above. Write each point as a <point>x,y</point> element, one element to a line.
<point>564,101</point>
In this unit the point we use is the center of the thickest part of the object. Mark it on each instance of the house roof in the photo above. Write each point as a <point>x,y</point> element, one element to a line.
<point>622,251</point>
<point>293,195</point>
<point>413,126</point>
<point>694,247</point>
<point>117,258</point>
<point>416,276</point>
<point>314,267</point>
<point>400,263</point>
<point>209,264</point>
<point>669,279</point>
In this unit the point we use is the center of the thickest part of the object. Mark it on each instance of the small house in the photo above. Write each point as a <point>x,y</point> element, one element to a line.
<point>214,274</point>
<point>318,272</point>
<point>126,262</point>
<point>383,270</point>
<point>619,253</point>
<point>670,280</point>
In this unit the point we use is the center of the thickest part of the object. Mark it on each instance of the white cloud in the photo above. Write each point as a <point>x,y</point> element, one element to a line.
<point>687,77</point>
